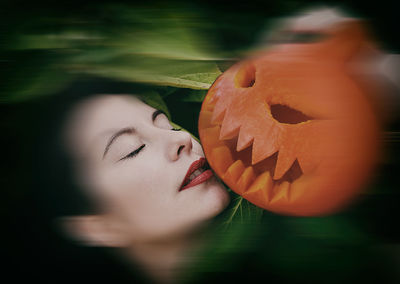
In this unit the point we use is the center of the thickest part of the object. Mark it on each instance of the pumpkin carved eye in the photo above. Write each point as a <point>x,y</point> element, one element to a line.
<point>285,114</point>
<point>260,143</point>
<point>246,76</point>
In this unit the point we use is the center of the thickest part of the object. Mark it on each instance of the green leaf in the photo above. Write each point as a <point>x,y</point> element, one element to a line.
<point>194,96</point>
<point>127,43</point>
<point>165,91</point>
<point>164,72</point>
<point>61,40</point>
<point>161,33</point>
<point>153,98</point>
<point>242,212</point>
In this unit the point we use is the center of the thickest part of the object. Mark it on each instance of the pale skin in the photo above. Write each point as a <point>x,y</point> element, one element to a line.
<point>132,162</point>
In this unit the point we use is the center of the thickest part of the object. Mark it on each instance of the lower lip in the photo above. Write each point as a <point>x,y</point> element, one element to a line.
<point>204,176</point>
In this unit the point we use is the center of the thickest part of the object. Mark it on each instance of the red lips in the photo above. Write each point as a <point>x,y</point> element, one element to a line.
<point>205,175</point>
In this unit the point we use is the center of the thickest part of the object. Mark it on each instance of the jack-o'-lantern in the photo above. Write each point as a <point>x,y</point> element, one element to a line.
<point>290,129</point>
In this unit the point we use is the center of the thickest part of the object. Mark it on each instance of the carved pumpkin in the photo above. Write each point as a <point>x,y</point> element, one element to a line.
<point>289,129</point>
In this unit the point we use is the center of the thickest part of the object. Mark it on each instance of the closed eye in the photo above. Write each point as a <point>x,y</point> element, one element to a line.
<point>133,153</point>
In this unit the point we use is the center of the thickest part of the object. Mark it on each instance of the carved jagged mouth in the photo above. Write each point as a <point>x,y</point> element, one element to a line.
<point>293,173</point>
<point>253,181</point>
<point>267,165</point>
<point>229,147</point>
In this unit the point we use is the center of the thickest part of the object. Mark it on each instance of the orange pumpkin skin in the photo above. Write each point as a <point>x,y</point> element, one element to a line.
<point>290,130</point>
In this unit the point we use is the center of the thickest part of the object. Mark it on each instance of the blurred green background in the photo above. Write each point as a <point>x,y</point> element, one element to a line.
<point>176,49</point>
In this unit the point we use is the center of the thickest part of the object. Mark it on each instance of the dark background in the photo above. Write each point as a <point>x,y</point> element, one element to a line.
<point>296,251</point>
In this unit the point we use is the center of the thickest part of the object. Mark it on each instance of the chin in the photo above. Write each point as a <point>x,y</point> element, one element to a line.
<point>219,199</point>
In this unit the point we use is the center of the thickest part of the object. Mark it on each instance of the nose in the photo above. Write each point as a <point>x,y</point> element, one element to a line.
<point>179,143</point>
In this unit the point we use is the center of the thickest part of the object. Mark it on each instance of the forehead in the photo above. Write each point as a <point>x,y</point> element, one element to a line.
<point>103,115</point>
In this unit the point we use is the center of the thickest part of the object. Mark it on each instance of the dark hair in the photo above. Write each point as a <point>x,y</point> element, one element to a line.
<point>56,185</point>
<point>38,185</point>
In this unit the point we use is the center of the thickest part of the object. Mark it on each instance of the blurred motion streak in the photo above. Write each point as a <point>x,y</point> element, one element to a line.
<point>174,52</point>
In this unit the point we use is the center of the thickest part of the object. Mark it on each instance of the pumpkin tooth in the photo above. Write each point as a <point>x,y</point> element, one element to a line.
<point>282,192</point>
<point>218,115</point>
<point>285,160</point>
<point>230,126</point>
<point>211,136</point>
<point>261,188</point>
<point>262,149</point>
<point>245,180</point>
<point>221,158</point>
<point>244,140</point>
<point>266,142</point>
<point>221,107</point>
<point>234,172</point>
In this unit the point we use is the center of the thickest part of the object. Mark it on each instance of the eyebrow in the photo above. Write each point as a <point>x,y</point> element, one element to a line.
<point>157,113</point>
<point>127,130</point>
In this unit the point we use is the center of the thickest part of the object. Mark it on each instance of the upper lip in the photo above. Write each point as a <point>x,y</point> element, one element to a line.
<point>193,167</point>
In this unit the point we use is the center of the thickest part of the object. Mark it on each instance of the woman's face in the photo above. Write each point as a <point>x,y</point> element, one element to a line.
<point>135,167</point>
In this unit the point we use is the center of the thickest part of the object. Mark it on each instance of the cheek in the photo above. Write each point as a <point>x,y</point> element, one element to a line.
<point>197,148</point>
<point>204,203</point>
<point>147,202</point>
<point>139,199</point>
<point>217,200</point>
<point>131,189</point>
